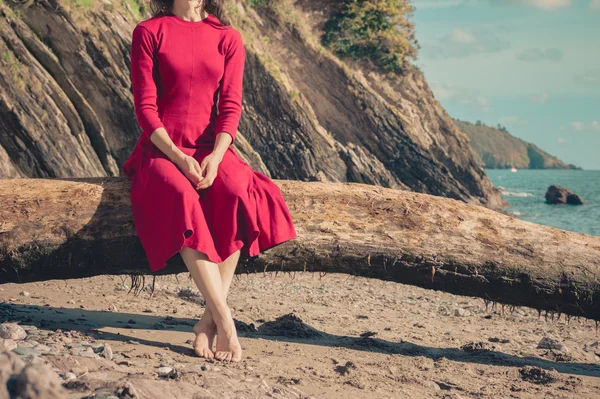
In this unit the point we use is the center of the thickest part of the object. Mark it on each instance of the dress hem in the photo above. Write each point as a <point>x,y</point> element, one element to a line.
<point>212,256</point>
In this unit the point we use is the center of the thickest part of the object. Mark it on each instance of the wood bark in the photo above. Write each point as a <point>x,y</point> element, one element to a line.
<point>82,227</point>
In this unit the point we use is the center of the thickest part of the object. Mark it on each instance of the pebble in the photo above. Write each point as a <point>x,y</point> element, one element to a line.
<point>70,376</point>
<point>12,331</point>
<point>433,385</point>
<point>166,372</point>
<point>107,352</point>
<point>7,344</point>
<point>43,348</point>
<point>23,351</point>
<point>549,343</point>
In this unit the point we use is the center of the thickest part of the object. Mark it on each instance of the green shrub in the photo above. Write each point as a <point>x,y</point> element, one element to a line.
<point>380,30</point>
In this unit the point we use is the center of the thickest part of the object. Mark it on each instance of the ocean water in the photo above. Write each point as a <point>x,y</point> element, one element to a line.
<point>525,191</point>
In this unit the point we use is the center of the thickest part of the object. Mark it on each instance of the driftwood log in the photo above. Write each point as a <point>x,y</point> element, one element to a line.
<point>82,227</point>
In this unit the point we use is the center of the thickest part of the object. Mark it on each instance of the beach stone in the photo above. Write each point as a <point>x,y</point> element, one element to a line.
<point>38,381</point>
<point>7,344</point>
<point>549,343</point>
<point>462,312</point>
<point>107,352</point>
<point>103,393</point>
<point>12,331</point>
<point>43,348</point>
<point>25,351</point>
<point>70,376</point>
<point>166,372</point>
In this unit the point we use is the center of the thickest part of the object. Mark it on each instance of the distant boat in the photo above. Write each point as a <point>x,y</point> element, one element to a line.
<point>512,168</point>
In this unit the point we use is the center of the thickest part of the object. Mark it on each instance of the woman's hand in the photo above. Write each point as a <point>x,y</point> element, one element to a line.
<point>208,169</point>
<point>191,169</point>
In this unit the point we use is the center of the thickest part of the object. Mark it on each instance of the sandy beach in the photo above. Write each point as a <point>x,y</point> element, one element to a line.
<point>304,335</point>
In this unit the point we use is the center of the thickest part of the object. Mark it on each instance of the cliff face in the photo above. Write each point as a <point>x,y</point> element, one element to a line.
<point>67,107</point>
<point>498,149</point>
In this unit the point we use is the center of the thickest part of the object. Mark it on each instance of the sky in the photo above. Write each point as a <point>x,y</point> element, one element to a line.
<point>532,66</point>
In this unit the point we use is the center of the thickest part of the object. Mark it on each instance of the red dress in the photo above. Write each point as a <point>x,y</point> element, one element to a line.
<point>187,77</point>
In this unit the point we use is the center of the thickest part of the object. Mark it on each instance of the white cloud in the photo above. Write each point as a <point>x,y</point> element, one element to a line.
<point>543,4</point>
<point>514,120</point>
<point>459,95</point>
<point>583,127</point>
<point>589,78</point>
<point>540,99</point>
<point>539,54</point>
<point>595,4</point>
<point>462,43</point>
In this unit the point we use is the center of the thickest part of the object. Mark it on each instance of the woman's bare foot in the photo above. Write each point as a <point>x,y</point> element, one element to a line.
<point>205,331</point>
<point>228,345</point>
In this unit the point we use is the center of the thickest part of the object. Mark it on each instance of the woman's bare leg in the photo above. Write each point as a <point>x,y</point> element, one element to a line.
<point>206,329</point>
<point>207,277</point>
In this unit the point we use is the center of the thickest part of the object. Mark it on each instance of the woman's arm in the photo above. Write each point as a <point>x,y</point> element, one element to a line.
<point>145,97</point>
<point>230,95</point>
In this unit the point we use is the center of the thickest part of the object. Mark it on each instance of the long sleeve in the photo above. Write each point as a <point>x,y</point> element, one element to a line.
<point>230,96</point>
<point>142,80</point>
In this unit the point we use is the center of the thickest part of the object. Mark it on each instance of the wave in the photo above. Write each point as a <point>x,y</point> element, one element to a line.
<point>515,193</point>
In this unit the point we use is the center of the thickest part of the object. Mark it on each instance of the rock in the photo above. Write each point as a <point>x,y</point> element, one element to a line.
<point>12,331</point>
<point>562,195</point>
<point>69,376</point>
<point>38,381</point>
<point>462,312</point>
<point>107,352</point>
<point>537,375</point>
<point>475,346</point>
<point>549,343</point>
<point>24,351</point>
<point>7,344</point>
<point>43,348</point>
<point>166,372</point>
<point>433,385</point>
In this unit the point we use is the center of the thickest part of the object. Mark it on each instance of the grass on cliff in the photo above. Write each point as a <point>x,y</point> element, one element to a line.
<point>379,30</point>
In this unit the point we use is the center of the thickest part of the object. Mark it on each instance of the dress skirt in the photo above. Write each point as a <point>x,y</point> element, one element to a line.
<point>242,209</point>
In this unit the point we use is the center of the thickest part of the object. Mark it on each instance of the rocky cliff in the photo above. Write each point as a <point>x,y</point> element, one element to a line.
<point>67,108</point>
<point>497,149</point>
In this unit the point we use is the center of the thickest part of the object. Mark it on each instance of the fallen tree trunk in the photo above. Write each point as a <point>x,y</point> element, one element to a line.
<point>82,227</point>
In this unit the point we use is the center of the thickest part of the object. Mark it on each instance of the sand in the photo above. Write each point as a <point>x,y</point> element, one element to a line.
<point>304,335</point>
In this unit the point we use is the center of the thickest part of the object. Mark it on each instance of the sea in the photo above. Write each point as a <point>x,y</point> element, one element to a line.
<point>525,190</point>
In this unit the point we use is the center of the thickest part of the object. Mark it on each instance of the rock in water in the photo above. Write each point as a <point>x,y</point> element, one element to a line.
<point>12,331</point>
<point>562,195</point>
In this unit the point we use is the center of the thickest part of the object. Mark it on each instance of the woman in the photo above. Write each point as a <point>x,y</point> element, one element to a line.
<point>190,192</point>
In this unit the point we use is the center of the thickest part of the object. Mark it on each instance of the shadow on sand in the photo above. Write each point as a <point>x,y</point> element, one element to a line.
<point>287,328</point>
